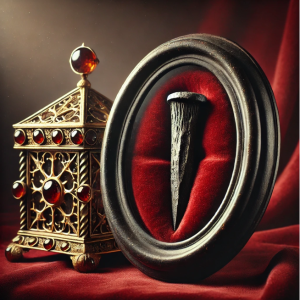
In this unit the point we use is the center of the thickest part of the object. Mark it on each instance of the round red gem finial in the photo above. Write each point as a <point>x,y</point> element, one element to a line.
<point>52,191</point>
<point>83,60</point>
<point>84,193</point>
<point>18,189</point>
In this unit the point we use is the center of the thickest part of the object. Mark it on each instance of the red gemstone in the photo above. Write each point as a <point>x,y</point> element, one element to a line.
<point>76,137</point>
<point>48,244</point>
<point>19,137</point>
<point>17,239</point>
<point>84,60</point>
<point>32,241</point>
<point>52,191</point>
<point>91,137</point>
<point>84,193</point>
<point>65,246</point>
<point>38,136</point>
<point>57,137</point>
<point>18,190</point>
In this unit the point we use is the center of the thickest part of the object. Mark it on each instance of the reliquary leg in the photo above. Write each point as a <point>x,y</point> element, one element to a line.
<point>85,263</point>
<point>14,253</point>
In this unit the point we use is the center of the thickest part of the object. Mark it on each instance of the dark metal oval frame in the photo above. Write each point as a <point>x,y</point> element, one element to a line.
<point>255,167</point>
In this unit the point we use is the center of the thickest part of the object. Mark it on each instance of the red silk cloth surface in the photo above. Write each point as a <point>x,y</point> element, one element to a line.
<point>267,267</point>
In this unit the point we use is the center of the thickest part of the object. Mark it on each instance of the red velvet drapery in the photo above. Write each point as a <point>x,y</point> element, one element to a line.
<point>267,267</point>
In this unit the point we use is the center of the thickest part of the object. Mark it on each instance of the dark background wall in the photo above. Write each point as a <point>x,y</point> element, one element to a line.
<point>37,38</point>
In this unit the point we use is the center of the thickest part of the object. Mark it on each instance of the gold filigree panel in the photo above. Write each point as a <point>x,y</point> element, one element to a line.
<point>63,245</point>
<point>66,110</point>
<point>98,108</point>
<point>62,167</point>
<point>99,224</point>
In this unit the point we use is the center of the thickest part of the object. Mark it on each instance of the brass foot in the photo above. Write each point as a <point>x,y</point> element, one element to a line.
<point>85,263</point>
<point>13,253</point>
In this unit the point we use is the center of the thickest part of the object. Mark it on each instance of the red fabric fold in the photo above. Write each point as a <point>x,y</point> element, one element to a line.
<point>266,268</point>
<point>283,208</point>
<point>284,212</point>
<point>286,80</point>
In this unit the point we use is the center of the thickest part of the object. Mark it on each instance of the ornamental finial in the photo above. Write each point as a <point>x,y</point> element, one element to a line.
<point>83,60</point>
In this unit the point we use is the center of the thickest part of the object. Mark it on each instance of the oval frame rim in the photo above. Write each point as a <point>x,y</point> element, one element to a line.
<point>114,199</point>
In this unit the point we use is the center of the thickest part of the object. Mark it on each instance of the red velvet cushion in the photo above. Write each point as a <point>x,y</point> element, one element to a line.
<point>151,157</point>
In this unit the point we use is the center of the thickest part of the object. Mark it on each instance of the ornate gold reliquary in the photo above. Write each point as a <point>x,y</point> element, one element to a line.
<point>59,191</point>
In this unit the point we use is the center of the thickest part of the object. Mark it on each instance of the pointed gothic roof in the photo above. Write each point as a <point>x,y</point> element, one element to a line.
<point>81,107</point>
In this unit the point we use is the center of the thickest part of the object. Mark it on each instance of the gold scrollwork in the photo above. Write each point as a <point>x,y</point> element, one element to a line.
<point>98,110</point>
<point>61,167</point>
<point>66,110</point>
<point>23,201</point>
<point>99,224</point>
<point>83,179</point>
